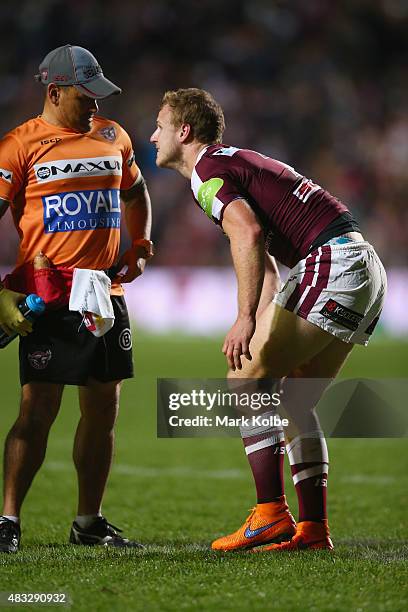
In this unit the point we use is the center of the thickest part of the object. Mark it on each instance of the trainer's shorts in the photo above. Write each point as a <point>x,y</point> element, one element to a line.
<point>338,287</point>
<point>61,350</point>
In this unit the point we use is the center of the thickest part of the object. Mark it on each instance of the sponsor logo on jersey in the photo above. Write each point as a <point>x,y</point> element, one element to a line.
<point>207,193</point>
<point>50,141</point>
<point>81,210</point>
<point>109,133</point>
<point>305,189</point>
<point>341,314</point>
<point>39,359</point>
<point>229,151</point>
<point>6,175</point>
<point>62,169</point>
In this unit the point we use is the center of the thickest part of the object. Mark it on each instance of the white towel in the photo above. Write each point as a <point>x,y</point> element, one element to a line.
<point>90,296</point>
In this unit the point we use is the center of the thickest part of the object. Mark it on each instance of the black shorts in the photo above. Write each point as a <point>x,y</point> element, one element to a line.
<point>61,350</point>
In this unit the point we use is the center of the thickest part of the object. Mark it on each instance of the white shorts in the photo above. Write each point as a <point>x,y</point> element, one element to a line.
<point>338,287</point>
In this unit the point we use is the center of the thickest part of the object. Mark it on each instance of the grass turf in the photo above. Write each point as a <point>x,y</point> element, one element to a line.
<point>177,495</point>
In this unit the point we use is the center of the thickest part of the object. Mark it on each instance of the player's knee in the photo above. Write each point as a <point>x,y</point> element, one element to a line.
<point>100,403</point>
<point>39,408</point>
<point>250,369</point>
<point>101,416</point>
<point>106,418</point>
<point>31,424</point>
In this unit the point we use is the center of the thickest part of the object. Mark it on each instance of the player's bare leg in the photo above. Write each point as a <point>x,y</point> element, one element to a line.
<point>94,442</point>
<point>26,442</point>
<point>93,451</point>
<point>282,342</point>
<point>286,345</point>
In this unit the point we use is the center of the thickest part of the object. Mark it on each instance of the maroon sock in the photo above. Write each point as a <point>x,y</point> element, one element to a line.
<point>266,465</point>
<point>311,492</point>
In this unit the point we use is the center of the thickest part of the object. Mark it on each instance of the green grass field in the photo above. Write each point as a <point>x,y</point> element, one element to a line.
<point>177,495</point>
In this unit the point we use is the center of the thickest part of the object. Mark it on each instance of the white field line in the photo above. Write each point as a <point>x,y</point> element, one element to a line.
<point>152,472</point>
<point>190,472</point>
<point>369,479</point>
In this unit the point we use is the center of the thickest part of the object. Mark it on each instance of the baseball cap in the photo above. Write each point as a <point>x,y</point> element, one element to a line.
<point>72,65</point>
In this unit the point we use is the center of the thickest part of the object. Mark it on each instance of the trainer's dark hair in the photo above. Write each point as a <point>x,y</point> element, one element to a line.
<point>198,108</point>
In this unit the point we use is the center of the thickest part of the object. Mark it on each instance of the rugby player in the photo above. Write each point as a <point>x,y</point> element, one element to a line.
<point>331,301</point>
<point>64,174</point>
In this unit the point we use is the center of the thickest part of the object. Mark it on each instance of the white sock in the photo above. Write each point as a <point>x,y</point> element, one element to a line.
<point>85,520</point>
<point>15,519</point>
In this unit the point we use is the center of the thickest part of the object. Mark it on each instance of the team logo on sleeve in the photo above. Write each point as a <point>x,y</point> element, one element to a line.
<point>207,193</point>
<point>6,175</point>
<point>109,133</point>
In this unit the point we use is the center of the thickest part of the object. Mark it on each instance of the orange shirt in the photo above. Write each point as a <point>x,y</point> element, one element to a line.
<point>64,190</point>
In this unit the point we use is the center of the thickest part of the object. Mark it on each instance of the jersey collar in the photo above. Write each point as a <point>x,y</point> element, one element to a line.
<point>201,153</point>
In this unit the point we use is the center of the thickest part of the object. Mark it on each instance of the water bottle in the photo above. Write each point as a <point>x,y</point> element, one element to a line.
<point>31,307</point>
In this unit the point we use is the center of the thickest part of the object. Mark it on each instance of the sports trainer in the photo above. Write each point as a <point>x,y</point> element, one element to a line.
<point>331,301</point>
<point>11,319</point>
<point>64,175</point>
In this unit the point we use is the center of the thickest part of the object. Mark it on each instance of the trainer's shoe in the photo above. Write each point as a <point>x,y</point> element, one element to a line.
<point>100,533</point>
<point>310,535</point>
<point>9,535</point>
<point>270,522</point>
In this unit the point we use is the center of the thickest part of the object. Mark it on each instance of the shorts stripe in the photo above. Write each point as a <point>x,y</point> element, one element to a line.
<point>300,288</point>
<point>351,273</point>
<point>322,282</point>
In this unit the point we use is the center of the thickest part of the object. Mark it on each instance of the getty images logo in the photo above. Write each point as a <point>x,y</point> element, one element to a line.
<point>61,169</point>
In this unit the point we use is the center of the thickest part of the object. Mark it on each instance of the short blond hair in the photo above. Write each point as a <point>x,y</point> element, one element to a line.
<point>198,108</point>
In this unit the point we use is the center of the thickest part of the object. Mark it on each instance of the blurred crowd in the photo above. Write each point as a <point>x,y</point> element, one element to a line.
<point>320,85</point>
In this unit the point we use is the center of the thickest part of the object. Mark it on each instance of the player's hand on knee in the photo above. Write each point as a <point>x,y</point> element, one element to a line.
<point>11,319</point>
<point>236,343</point>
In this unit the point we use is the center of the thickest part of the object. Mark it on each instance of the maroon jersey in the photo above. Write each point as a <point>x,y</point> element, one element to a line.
<point>292,210</point>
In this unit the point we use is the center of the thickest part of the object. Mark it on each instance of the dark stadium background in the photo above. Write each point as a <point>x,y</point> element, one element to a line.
<point>320,85</point>
<point>323,86</point>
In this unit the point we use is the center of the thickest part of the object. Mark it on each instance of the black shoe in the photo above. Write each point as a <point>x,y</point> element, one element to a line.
<point>9,535</point>
<point>100,533</point>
